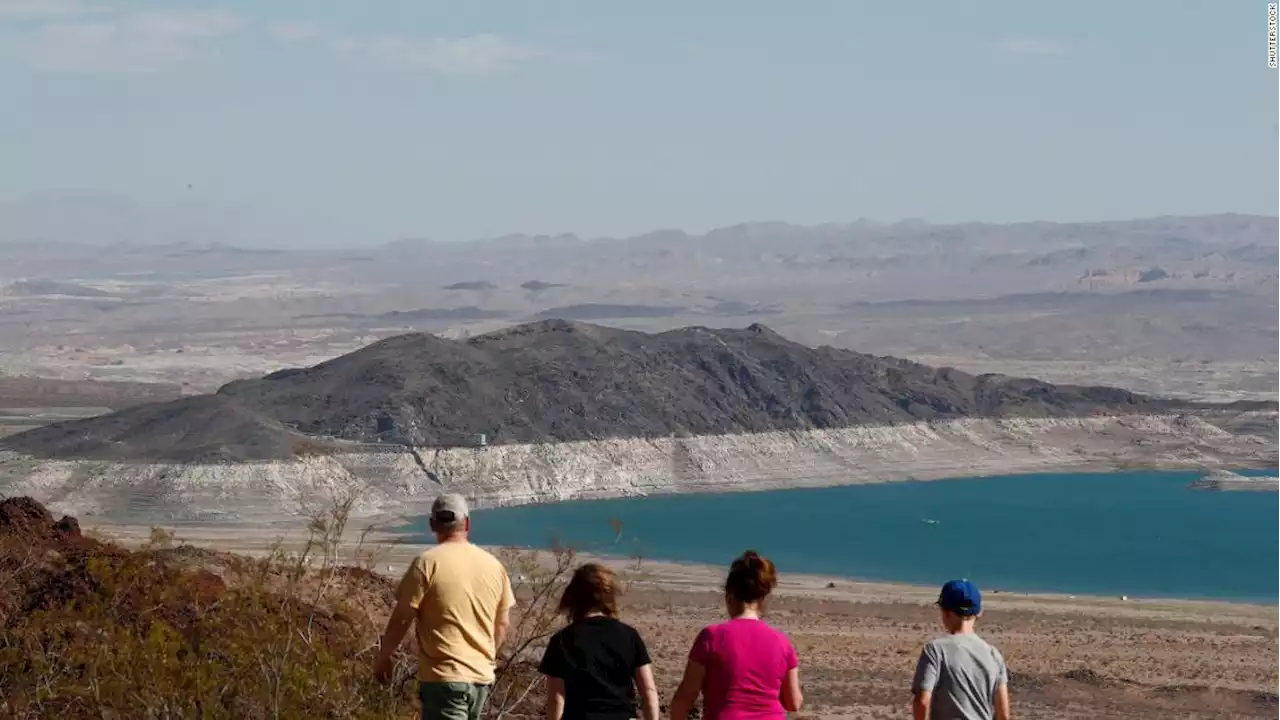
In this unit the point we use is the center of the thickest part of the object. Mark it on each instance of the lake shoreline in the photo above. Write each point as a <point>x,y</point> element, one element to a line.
<point>394,551</point>
<point>392,539</point>
<point>1048,534</point>
<point>393,482</point>
<point>706,572</point>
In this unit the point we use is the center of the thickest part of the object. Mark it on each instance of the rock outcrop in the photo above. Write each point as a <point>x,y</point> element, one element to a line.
<point>25,518</point>
<point>1225,480</point>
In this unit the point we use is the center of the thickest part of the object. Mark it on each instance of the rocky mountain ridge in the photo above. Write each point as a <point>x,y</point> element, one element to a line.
<point>560,381</point>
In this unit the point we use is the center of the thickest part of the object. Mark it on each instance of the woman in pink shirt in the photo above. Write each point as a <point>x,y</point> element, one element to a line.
<point>743,668</point>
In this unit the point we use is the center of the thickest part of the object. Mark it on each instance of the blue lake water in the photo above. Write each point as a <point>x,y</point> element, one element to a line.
<point>1133,533</point>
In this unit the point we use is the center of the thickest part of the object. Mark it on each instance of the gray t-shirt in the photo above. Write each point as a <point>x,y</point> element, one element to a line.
<point>963,672</point>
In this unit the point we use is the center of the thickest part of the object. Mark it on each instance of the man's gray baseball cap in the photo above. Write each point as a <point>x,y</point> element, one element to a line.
<point>449,511</point>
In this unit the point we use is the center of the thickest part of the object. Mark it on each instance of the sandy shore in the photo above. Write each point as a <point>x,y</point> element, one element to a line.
<point>393,553</point>
<point>1071,656</point>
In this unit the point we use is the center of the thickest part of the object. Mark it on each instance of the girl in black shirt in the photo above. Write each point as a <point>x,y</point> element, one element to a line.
<point>596,664</point>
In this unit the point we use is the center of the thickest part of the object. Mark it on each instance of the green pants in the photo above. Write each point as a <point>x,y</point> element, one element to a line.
<point>452,700</point>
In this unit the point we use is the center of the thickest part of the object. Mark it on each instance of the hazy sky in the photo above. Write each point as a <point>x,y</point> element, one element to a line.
<point>376,120</point>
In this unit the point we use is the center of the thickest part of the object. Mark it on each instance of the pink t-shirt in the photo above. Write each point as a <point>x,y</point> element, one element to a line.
<point>747,661</point>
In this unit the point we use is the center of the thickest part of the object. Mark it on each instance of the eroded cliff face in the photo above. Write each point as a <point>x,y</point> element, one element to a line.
<point>402,481</point>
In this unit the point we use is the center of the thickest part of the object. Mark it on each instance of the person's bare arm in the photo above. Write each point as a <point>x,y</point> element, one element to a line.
<point>1004,710</point>
<point>687,693</point>
<point>409,594</point>
<point>792,697</point>
<point>647,689</point>
<point>500,626</point>
<point>920,705</point>
<point>397,626</point>
<point>555,698</point>
<point>924,681</point>
<point>503,620</point>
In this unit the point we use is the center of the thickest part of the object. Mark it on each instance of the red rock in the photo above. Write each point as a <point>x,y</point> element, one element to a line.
<point>24,515</point>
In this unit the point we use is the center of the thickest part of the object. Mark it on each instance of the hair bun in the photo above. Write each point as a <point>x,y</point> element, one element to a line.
<point>751,577</point>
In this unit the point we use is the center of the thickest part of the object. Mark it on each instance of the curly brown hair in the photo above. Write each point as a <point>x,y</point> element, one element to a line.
<point>751,578</point>
<point>592,589</point>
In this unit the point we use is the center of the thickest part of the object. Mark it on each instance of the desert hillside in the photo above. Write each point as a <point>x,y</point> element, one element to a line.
<point>560,381</point>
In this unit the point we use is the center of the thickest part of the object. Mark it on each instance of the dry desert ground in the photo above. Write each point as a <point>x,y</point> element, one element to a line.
<point>1069,656</point>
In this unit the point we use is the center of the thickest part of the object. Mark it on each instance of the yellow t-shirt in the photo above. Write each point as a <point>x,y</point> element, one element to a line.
<point>459,591</point>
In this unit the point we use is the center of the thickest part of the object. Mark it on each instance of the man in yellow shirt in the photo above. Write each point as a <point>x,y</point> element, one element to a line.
<point>459,596</point>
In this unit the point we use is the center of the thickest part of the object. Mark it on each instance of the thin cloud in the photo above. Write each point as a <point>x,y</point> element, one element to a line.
<point>77,36</point>
<point>1033,46</point>
<point>483,54</point>
<point>296,32</point>
<point>138,42</point>
<point>346,46</point>
<point>44,9</point>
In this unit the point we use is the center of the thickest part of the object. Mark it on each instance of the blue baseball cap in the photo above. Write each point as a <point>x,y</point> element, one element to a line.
<point>960,597</point>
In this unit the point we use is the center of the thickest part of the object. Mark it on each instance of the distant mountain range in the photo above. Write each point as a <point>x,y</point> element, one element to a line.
<point>71,220</point>
<point>97,219</point>
<point>557,380</point>
<point>765,261</point>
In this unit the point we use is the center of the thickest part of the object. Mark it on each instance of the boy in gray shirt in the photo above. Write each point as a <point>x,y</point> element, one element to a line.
<point>960,676</point>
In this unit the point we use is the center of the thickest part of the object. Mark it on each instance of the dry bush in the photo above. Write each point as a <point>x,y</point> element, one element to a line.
<point>88,629</point>
<point>92,630</point>
<point>538,584</point>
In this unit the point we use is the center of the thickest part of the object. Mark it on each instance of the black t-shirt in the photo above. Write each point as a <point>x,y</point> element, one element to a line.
<point>597,658</point>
